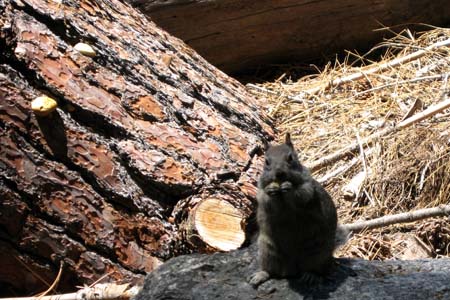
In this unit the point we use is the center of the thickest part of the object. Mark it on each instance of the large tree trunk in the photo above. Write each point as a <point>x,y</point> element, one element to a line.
<point>144,130</point>
<point>239,34</point>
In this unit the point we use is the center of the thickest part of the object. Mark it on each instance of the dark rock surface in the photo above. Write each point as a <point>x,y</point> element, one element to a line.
<point>223,276</point>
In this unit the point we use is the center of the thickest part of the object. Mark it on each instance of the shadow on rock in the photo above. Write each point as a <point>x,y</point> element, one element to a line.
<point>341,271</point>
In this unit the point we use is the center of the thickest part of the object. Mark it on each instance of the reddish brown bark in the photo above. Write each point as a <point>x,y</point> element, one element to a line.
<point>141,129</point>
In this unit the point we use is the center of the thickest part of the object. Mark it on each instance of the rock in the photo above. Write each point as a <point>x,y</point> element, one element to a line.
<point>223,276</point>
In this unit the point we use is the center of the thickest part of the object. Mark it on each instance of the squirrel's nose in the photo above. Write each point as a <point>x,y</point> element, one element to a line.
<point>280,174</point>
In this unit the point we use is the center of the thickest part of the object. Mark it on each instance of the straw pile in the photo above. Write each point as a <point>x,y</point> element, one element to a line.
<point>401,171</point>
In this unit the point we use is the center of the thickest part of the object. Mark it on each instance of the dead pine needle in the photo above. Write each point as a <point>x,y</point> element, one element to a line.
<point>55,282</point>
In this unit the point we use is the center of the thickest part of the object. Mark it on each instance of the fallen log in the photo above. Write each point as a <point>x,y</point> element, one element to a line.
<point>239,34</point>
<point>134,124</point>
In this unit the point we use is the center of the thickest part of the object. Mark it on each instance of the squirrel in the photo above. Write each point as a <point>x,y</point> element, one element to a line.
<point>297,220</point>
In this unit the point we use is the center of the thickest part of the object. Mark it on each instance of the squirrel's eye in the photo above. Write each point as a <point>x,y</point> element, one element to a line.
<point>267,162</point>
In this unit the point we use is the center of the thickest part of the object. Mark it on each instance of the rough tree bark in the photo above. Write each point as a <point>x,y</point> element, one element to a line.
<point>239,34</point>
<point>143,131</point>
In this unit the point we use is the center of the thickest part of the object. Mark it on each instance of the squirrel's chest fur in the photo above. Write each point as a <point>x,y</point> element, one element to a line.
<point>295,223</point>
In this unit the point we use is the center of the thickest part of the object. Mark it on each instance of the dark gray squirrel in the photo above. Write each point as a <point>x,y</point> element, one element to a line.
<point>297,220</point>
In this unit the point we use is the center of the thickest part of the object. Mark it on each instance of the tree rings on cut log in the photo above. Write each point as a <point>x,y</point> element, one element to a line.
<point>215,224</point>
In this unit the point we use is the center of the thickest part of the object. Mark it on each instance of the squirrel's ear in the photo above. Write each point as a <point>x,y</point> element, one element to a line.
<point>287,140</point>
<point>266,144</point>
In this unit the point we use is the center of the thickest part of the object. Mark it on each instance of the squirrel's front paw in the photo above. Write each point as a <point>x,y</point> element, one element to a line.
<point>272,189</point>
<point>286,186</point>
<point>257,278</point>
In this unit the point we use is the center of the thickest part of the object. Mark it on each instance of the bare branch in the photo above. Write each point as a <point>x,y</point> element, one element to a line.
<point>438,211</point>
<point>430,111</point>
<point>378,68</point>
<point>342,169</point>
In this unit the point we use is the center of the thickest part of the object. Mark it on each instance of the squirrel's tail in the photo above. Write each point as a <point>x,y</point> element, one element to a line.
<point>342,236</point>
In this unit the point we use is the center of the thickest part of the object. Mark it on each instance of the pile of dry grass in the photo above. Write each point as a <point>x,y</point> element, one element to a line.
<point>404,170</point>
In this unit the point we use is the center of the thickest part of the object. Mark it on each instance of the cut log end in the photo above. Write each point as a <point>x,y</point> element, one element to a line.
<point>215,224</point>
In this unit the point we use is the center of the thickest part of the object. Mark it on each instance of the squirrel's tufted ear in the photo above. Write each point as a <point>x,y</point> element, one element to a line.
<point>287,140</point>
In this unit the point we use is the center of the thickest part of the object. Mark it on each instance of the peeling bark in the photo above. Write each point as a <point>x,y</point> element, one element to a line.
<point>141,130</point>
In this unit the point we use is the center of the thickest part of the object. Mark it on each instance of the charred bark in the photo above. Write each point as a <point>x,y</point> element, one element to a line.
<point>142,128</point>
